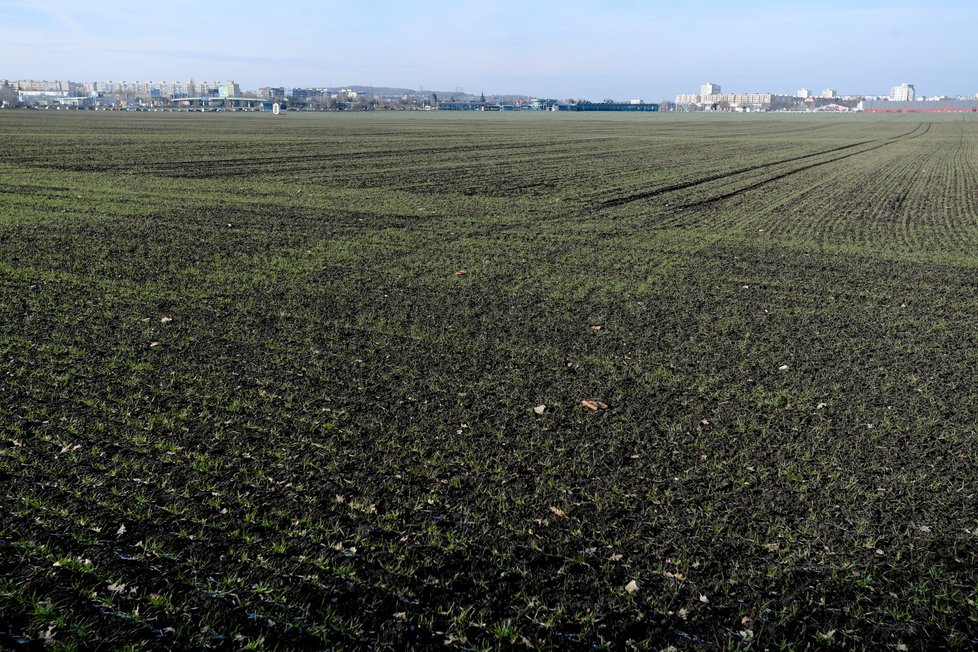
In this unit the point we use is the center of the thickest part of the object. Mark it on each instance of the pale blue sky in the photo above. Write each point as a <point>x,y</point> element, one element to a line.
<point>571,48</point>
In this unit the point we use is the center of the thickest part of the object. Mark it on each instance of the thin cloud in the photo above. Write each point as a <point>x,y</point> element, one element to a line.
<point>58,15</point>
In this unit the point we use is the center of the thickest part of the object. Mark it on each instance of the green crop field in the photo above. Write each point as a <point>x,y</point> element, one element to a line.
<point>488,381</point>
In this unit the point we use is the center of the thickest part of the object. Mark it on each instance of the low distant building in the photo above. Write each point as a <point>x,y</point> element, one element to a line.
<point>833,108</point>
<point>459,106</point>
<point>40,98</point>
<point>610,106</point>
<point>938,106</point>
<point>78,102</point>
<point>543,104</point>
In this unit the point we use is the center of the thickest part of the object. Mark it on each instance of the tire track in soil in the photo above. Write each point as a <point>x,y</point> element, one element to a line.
<point>857,226</point>
<point>685,185</point>
<point>913,204</point>
<point>778,177</point>
<point>760,219</point>
<point>719,229</point>
<point>629,199</point>
<point>872,183</point>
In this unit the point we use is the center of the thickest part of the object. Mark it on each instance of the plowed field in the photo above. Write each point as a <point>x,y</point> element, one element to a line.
<point>317,381</point>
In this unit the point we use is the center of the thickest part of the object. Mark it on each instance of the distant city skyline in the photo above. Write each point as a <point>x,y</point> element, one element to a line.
<point>620,49</point>
<point>191,88</point>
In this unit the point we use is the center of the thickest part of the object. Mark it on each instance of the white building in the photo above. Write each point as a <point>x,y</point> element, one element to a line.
<point>903,93</point>
<point>708,89</point>
<point>39,86</point>
<point>830,93</point>
<point>229,89</point>
<point>804,93</point>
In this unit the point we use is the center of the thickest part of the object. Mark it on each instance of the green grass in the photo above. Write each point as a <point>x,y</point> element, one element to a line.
<point>249,397</point>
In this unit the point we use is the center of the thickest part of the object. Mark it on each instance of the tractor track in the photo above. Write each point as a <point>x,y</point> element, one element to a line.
<point>778,177</point>
<point>629,199</point>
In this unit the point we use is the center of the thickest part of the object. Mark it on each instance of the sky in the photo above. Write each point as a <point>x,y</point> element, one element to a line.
<point>621,49</point>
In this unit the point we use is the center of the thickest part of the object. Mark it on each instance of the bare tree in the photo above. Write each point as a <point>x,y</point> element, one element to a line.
<point>8,95</point>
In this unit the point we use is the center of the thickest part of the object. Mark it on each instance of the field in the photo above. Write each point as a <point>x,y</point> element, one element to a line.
<point>317,381</point>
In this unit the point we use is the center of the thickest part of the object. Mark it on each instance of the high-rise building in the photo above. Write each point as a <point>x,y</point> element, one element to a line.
<point>903,93</point>
<point>709,89</point>
<point>229,89</point>
<point>804,93</point>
